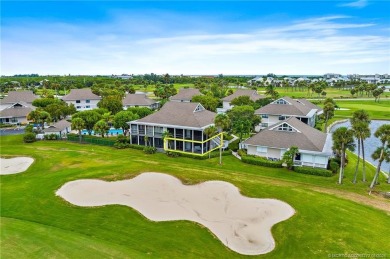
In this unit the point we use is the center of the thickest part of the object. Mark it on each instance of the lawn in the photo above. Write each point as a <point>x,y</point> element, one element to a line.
<point>329,219</point>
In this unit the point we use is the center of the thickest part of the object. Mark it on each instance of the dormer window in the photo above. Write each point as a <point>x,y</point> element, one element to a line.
<point>285,127</point>
<point>282,118</point>
<point>281,101</point>
<point>199,108</point>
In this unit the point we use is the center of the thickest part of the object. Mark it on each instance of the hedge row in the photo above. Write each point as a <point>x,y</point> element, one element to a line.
<point>313,171</point>
<point>261,161</point>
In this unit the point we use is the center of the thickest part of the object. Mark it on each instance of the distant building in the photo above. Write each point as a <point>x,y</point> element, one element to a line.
<point>15,107</point>
<point>185,95</point>
<point>60,128</point>
<point>82,99</point>
<point>253,95</point>
<point>331,75</point>
<point>139,100</point>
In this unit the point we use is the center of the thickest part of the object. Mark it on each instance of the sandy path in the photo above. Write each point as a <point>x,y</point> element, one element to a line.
<point>15,165</point>
<point>243,224</point>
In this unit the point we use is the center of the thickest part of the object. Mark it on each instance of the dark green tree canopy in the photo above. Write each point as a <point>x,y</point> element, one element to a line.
<point>112,103</point>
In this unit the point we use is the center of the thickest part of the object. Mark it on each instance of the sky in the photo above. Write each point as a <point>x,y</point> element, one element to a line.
<point>195,37</point>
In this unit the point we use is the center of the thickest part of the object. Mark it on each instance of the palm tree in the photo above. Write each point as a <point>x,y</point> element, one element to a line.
<point>210,132</point>
<point>78,124</point>
<point>360,122</point>
<point>222,122</point>
<point>342,140</point>
<point>101,127</point>
<point>382,153</point>
<point>167,134</point>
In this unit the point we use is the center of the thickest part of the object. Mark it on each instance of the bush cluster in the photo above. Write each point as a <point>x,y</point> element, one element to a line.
<point>29,137</point>
<point>51,137</point>
<point>334,165</point>
<point>261,161</point>
<point>242,152</point>
<point>313,171</point>
<point>234,145</point>
<point>150,150</point>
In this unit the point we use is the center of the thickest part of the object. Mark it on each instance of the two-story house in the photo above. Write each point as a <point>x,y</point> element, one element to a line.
<point>82,99</point>
<point>16,106</point>
<point>183,123</point>
<point>287,107</point>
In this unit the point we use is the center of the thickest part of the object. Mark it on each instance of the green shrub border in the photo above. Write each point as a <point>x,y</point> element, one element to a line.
<point>313,171</point>
<point>261,161</point>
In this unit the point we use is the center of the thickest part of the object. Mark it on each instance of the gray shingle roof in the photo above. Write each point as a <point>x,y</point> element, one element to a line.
<point>19,96</point>
<point>138,99</point>
<point>16,112</point>
<point>253,95</point>
<point>308,138</point>
<point>185,94</point>
<point>181,114</point>
<point>58,126</point>
<point>296,108</point>
<point>81,94</point>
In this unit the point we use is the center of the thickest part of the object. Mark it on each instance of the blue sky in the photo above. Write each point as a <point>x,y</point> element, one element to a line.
<point>203,37</point>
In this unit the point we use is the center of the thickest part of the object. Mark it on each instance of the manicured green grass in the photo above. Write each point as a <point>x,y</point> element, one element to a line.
<point>330,92</point>
<point>37,224</point>
<point>377,110</point>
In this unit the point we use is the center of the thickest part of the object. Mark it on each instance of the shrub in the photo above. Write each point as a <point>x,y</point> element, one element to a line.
<point>261,161</point>
<point>150,150</point>
<point>119,145</point>
<point>51,136</point>
<point>29,137</point>
<point>334,165</point>
<point>172,154</point>
<point>313,171</point>
<point>227,136</point>
<point>29,128</point>
<point>234,145</point>
<point>242,152</point>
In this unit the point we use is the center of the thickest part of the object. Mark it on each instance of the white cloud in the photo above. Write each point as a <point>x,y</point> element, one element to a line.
<point>356,4</point>
<point>311,46</point>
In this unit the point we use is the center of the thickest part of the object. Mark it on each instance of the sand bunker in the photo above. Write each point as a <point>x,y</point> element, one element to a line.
<point>243,224</point>
<point>15,165</point>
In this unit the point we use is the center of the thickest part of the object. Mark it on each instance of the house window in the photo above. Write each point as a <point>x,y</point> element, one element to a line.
<point>265,116</point>
<point>87,101</point>
<point>77,101</point>
<point>78,107</point>
<point>281,101</point>
<point>281,118</point>
<point>285,127</point>
<point>264,125</point>
<point>87,106</point>
<point>261,149</point>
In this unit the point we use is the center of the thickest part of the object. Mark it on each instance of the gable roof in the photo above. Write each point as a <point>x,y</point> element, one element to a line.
<point>185,94</point>
<point>19,96</point>
<point>81,94</point>
<point>16,112</point>
<point>294,107</point>
<point>253,95</point>
<point>305,138</point>
<point>309,104</point>
<point>58,126</point>
<point>138,99</point>
<point>181,114</point>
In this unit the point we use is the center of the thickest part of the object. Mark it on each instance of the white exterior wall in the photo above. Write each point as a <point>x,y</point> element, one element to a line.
<point>14,120</point>
<point>314,160</point>
<point>271,120</point>
<point>307,159</point>
<point>129,106</point>
<point>83,105</point>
